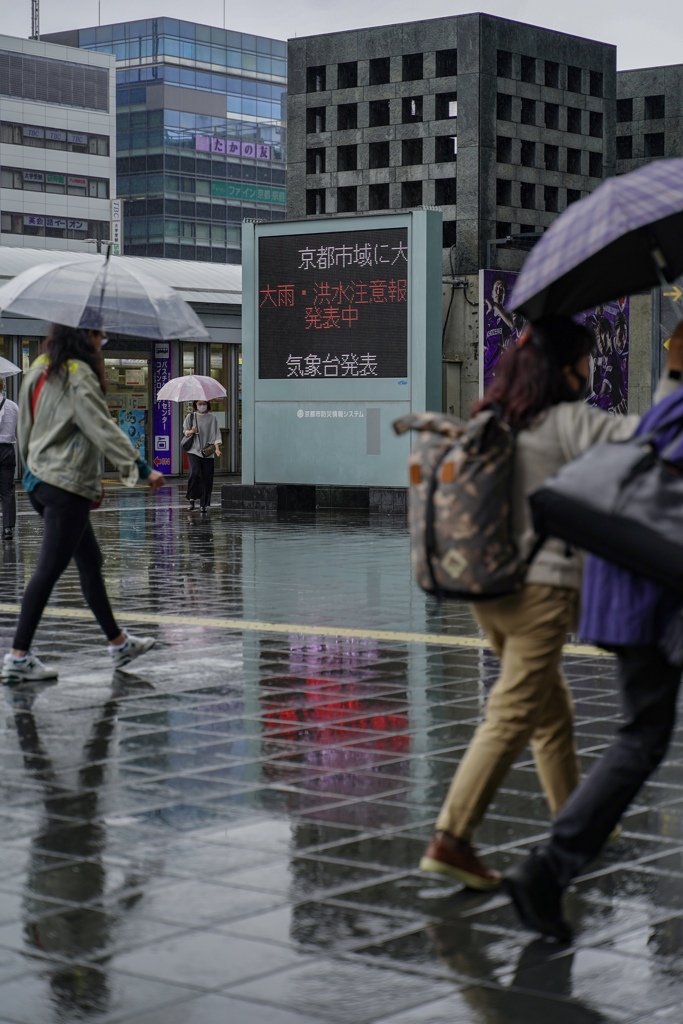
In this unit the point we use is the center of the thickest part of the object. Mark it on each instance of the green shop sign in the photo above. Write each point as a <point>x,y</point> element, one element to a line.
<point>55,179</point>
<point>248,193</point>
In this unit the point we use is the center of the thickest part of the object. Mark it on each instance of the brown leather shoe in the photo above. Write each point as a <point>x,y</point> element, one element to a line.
<point>456,858</point>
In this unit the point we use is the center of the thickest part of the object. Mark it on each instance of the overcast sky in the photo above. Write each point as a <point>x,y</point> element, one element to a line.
<point>645,34</point>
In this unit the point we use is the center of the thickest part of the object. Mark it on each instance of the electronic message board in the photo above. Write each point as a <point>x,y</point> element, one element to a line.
<point>333,305</point>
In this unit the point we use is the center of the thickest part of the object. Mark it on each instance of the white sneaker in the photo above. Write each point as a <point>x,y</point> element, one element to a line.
<point>28,669</point>
<point>131,649</point>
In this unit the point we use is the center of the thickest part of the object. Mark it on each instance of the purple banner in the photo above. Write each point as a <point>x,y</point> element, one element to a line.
<point>250,150</point>
<point>609,324</point>
<point>161,416</point>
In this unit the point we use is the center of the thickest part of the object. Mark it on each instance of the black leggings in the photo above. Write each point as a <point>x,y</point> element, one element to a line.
<point>68,534</point>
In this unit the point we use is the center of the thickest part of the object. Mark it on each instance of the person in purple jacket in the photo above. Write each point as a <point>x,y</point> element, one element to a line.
<point>643,625</point>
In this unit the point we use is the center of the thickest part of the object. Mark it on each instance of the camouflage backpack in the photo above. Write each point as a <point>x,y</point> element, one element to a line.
<point>460,512</point>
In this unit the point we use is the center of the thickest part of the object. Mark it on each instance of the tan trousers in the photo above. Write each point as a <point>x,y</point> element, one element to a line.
<point>530,702</point>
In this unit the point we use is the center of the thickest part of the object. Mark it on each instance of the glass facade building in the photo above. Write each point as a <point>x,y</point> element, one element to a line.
<point>201,133</point>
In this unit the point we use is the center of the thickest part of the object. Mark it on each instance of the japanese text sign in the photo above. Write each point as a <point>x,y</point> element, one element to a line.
<point>334,304</point>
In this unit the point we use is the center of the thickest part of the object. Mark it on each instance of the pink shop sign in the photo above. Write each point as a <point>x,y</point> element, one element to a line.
<point>228,147</point>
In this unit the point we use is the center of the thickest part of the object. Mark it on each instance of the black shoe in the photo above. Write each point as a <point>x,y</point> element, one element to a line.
<point>191,508</point>
<point>203,510</point>
<point>7,534</point>
<point>537,896</point>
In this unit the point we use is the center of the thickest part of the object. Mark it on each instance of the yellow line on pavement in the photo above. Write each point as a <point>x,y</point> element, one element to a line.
<point>247,626</point>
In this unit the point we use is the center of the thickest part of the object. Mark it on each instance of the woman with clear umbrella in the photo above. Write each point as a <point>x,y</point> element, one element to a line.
<point>202,426</point>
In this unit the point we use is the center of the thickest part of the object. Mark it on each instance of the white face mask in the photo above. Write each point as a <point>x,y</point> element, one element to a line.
<point>201,406</point>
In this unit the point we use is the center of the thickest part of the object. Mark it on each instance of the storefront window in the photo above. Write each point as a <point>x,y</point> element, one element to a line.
<point>128,399</point>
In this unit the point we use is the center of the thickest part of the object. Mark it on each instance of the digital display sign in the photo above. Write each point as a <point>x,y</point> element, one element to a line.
<point>333,305</point>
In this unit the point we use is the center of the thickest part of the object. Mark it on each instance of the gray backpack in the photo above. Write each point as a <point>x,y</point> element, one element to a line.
<point>460,511</point>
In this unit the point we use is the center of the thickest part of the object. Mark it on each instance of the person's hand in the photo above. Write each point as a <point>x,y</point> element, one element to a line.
<point>155,480</point>
<point>675,357</point>
<point>218,452</point>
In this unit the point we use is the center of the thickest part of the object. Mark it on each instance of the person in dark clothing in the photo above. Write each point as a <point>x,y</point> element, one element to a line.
<point>643,625</point>
<point>9,412</point>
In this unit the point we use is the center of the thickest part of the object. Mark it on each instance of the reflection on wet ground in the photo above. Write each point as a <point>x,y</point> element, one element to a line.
<point>230,833</point>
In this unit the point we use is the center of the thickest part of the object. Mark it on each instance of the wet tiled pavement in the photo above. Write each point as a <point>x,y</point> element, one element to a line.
<point>230,833</point>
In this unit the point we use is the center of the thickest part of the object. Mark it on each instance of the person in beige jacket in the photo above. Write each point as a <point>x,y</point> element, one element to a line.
<point>64,431</point>
<point>539,386</point>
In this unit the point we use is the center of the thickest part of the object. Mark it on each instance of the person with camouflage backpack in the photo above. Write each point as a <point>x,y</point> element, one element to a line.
<point>537,391</point>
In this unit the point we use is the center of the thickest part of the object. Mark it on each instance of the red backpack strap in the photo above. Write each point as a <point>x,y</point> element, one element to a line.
<point>36,393</point>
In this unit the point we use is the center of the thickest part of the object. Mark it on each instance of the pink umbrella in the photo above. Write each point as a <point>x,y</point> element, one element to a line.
<point>191,388</point>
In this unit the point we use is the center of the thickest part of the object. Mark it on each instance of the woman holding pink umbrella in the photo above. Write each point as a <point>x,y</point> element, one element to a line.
<point>202,426</point>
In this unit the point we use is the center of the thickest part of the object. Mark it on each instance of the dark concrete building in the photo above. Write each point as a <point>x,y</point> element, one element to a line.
<point>649,115</point>
<point>500,124</point>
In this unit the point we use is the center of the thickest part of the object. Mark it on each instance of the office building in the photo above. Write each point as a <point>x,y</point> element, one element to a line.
<point>201,119</point>
<point>57,146</point>
<point>500,124</point>
<point>649,115</point>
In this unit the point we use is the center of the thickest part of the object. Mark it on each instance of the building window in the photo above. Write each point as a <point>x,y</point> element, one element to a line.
<point>504,64</point>
<point>446,106</point>
<point>504,149</point>
<point>379,113</point>
<point>444,191</point>
<point>573,196</point>
<point>411,152</point>
<point>378,154</point>
<point>574,120</point>
<point>315,201</point>
<point>624,110</point>
<point>528,69</point>
<point>654,108</point>
<point>574,79</point>
<point>315,120</point>
<point>378,197</point>
<point>503,228</point>
<point>595,83</point>
<point>552,115</point>
<point>654,144</point>
<point>552,74</point>
<point>528,153</point>
<point>573,161</point>
<point>595,124</point>
<point>446,63</point>
<point>380,70</point>
<point>411,194</point>
<point>411,109</point>
<point>412,67</point>
<point>551,156</point>
<point>347,116</point>
<point>550,196</point>
<point>445,149</point>
<point>527,195</point>
<point>347,158</point>
<point>528,111</point>
<point>449,234</point>
<point>527,229</point>
<point>595,165</point>
<point>47,80</point>
<point>347,201</point>
<point>624,147</point>
<point>316,78</point>
<point>315,161</point>
<point>347,75</point>
<point>503,192</point>
<point>504,107</point>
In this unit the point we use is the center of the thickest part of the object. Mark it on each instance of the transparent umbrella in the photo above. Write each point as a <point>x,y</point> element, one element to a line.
<point>190,388</point>
<point>8,369</point>
<point>102,292</point>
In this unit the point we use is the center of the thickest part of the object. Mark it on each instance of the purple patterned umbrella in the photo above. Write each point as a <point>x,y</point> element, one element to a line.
<point>624,237</point>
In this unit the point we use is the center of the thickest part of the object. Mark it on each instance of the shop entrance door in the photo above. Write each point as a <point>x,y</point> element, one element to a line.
<point>128,382</point>
<point>223,363</point>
